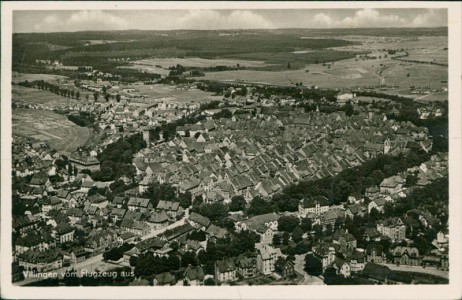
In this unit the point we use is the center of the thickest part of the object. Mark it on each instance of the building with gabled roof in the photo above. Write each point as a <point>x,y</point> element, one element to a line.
<point>225,270</point>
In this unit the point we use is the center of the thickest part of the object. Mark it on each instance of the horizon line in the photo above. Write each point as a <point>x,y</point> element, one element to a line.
<point>229,29</point>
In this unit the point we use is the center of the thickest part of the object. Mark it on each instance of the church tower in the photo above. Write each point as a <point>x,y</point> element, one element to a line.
<point>146,138</point>
<point>386,146</point>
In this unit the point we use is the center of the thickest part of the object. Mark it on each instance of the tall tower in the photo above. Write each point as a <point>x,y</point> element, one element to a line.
<point>386,146</point>
<point>146,137</point>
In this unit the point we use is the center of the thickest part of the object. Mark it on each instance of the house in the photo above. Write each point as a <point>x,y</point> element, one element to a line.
<point>126,238</point>
<point>63,233</point>
<point>52,203</point>
<point>158,220</point>
<point>345,239</point>
<point>84,162</point>
<point>316,205</point>
<point>371,234</point>
<point>408,256</point>
<point>356,260</point>
<point>441,241</point>
<point>41,262</point>
<point>151,244</point>
<point>355,209</point>
<point>117,214</point>
<point>137,227</point>
<point>285,268</point>
<point>177,233</point>
<point>40,179</point>
<point>325,253</point>
<point>225,270</point>
<point>24,224</point>
<point>378,204</point>
<point>194,275</point>
<point>34,241</point>
<point>198,221</point>
<point>246,266</point>
<point>74,214</point>
<point>165,278</point>
<point>78,254</point>
<point>263,225</point>
<point>118,201</point>
<point>214,232</point>
<point>173,209</point>
<point>98,200</point>
<point>139,204</point>
<point>342,267</point>
<point>266,258</point>
<point>392,185</point>
<point>374,253</point>
<point>101,240</point>
<point>394,228</point>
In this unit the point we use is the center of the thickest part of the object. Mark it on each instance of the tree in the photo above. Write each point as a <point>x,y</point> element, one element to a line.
<point>209,281</point>
<point>198,200</point>
<point>306,225</point>
<point>276,240</point>
<point>146,265</point>
<point>87,97</point>
<point>185,199</point>
<point>106,97</point>
<point>77,95</point>
<point>285,238</point>
<point>287,223</point>
<point>297,234</point>
<point>313,265</point>
<point>288,65</point>
<point>118,98</point>
<point>237,203</point>
<point>258,206</point>
<point>189,258</point>
<point>96,96</point>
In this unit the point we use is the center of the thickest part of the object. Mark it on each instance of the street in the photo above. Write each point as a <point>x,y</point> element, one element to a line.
<point>160,231</point>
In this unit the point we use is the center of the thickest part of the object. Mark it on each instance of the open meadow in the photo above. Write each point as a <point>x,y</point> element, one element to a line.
<point>348,73</point>
<point>161,65</point>
<point>55,129</point>
<point>170,93</point>
<point>34,96</point>
<point>17,77</point>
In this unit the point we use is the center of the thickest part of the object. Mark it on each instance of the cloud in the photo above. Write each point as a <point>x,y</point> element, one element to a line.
<point>373,18</point>
<point>362,18</point>
<point>82,20</point>
<point>209,19</point>
<point>430,18</point>
<point>323,20</point>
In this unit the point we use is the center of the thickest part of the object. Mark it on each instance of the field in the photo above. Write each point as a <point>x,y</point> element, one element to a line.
<point>347,74</point>
<point>21,77</point>
<point>55,129</point>
<point>172,94</point>
<point>35,96</point>
<point>161,65</point>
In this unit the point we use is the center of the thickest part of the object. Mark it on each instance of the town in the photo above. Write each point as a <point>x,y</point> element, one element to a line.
<point>182,180</point>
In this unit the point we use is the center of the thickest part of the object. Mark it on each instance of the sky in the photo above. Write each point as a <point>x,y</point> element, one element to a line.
<point>82,20</point>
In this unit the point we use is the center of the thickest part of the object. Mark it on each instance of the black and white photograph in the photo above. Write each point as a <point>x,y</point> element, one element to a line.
<point>231,150</point>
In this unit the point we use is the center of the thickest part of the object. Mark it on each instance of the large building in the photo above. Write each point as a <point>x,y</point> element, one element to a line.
<point>84,162</point>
